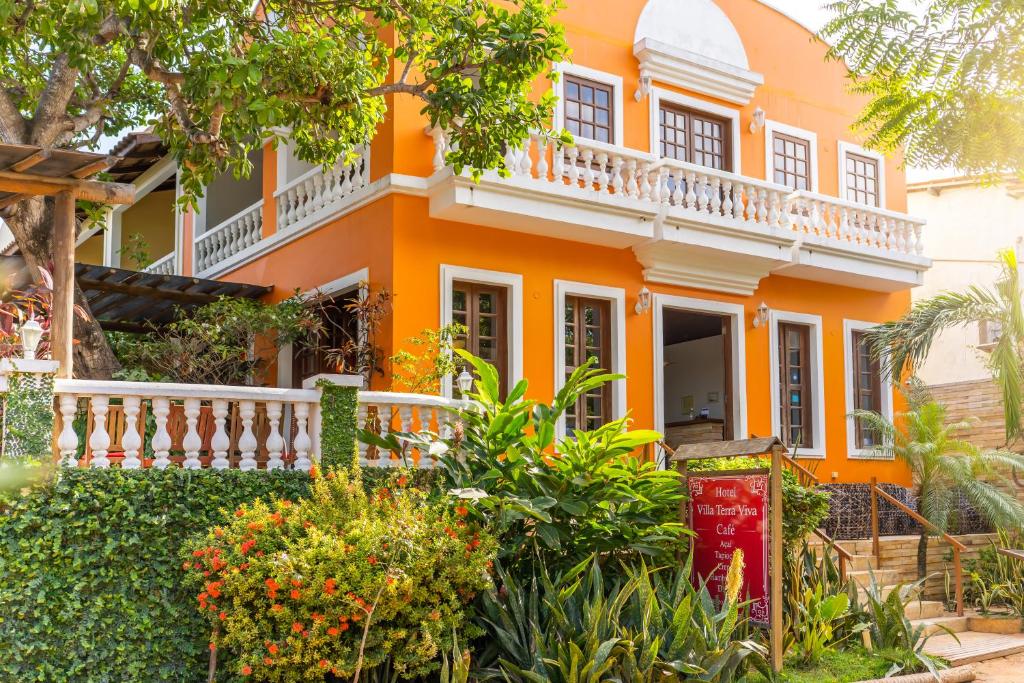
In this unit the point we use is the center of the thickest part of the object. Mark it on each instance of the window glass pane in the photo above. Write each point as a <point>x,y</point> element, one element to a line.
<point>458,300</point>
<point>486,327</point>
<point>486,303</point>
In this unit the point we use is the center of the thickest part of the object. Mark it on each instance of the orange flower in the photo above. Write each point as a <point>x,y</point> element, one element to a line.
<point>461,511</point>
<point>213,646</point>
<point>324,664</point>
<point>272,648</point>
<point>296,583</point>
<point>223,616</point>
<point>294,594</point>
<point>268,661</point>
<point>333,631</point>
<point>344,627</point>
<point>402,480</point>
<point>372,559</point>
<point>246,670</point>
<point>277,607</point>
<point>239,512</point>
<point>330,586</point>
<point>197,553</point>
<point>314,472</point>
<point>296,627</point>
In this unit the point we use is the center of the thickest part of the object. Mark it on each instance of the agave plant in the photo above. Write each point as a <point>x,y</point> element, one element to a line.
<point>943,466</point>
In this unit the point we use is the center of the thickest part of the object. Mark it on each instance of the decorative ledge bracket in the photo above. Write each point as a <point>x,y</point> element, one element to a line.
<point>692,71</point>
<point>28,417</point>
<point>336,421</point>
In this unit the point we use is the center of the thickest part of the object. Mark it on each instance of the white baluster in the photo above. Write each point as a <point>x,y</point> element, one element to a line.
<point>192,442</point>
<point>702,193</point>
<point>602,172</point>
<point>588,169</point>
<point>247,443</point>
<point>302,440</point>
<point>918,243</point>
<point>574,167</point>
<point>131,440</point>
<point>221,442</point>
<point>691,190</point>
<point>67,442</point>
<point>405,421</point>
<point>526,159</point>
<point>384,412</point>
<point>844,224</point>
<point>275,442</point>
<point>901,237</point>
<point>542,157</point>
<point>510,160</point>
<point>727,198</point>
<point>361,421</point>
<point>737,202</point>
<point>439,148</point>
<point>716,196</point>
<point>360,174</point>
<point>632,188</point>
<point>656,186</point>
<point>99,440</point>
<point>161,437</point>
<point>645,182</point>
<point>762,206</point>
<point>558,162</point>
<point>426,461</point>
<point>617,182</point>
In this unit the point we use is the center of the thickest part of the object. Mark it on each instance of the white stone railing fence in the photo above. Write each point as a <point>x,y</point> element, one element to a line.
<point>164,265</point>
<point>689,190</point>
<point>226,239</point>
<point>316,193</point>
<point>198,426</point>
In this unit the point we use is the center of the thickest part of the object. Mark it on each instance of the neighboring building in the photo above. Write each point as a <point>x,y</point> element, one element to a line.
<point>969,221</point>
<point>714,171</point>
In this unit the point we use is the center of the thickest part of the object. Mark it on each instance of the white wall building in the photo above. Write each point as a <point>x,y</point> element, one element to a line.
<point>968,222</point>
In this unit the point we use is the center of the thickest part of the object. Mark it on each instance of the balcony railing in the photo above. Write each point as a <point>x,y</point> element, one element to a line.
<point>229,237</point>
<point>165,265</point>
<point>195,426</point>
<point>688,192</point>
<point>316,194</point>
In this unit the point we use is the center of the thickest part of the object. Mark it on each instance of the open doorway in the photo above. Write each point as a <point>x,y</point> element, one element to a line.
<point>697,376</point>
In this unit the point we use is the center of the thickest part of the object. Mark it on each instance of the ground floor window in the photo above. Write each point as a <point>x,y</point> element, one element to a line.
<point>795,414</point>
<point>333,350</point>
<point>588,335</point>
<point>866,389</point>
<point>482,310</point>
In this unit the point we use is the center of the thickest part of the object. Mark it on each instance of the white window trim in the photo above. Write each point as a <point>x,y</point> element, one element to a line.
<point>854,453</point>
<point>148,181</point>
<point>514,312</point>
<point>772,127</point>
<point>617,297</point>
<point>613,80</point>
<point>341,285</point>
<point>845,148</point>
<point>817,379</point>
<point>659,95</point>
<point>739,355</point>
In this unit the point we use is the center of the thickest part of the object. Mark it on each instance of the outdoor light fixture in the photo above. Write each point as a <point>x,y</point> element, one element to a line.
<point>465,381</point>
<point>757,120</point>
<point>761,315</point>
<point>643,301</point>
<point>31,332</point>
<point>643,88</point>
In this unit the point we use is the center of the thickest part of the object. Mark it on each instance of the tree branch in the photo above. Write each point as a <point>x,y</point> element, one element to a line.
<point>13,128</point>
<point>48,120</point>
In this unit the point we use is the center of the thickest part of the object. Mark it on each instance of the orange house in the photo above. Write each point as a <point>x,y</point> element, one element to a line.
<point>716,234</point>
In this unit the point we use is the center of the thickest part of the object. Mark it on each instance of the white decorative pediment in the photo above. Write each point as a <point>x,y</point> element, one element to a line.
<point>665,63</point>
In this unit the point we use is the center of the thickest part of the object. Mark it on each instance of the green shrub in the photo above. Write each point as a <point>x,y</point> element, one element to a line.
<point>90,572</point>
<point>340,582</point>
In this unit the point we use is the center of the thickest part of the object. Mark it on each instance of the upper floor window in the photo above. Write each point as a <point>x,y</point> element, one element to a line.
<point>589,109</point>
<point>862,179</point>
<point>482,310</point>
<point>695,137</point>
<point>791,161</point>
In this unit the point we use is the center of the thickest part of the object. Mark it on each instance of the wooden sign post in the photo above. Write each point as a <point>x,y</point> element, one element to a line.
<point>739,509</point>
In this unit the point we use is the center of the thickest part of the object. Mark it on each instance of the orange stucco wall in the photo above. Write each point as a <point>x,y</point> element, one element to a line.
<point>404,248</point>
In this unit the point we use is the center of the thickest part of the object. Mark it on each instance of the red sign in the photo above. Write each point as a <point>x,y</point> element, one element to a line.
<point>726,513</point>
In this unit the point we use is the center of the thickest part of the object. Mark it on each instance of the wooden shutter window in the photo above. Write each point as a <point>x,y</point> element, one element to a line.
<point>791,161</point>
<point>695,137</point>
<point>588,109</point>
<point>862,179</point>
<point>795,399</point>
<point>482,309</point>
<point>588,335</point>
<point>867,387</point>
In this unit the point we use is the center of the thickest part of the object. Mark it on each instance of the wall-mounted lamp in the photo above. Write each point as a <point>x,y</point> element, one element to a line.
<point>761,315</point>
<point>465,381</point>
<point>31,333</point>
<point>757,120</point>
<point>643,301</point>
<point>643,89</point>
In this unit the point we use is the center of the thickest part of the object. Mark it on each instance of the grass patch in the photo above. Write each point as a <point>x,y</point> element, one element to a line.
<point>837,666</point>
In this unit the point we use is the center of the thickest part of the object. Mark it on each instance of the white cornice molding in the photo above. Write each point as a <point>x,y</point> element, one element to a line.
<point>675,66</point>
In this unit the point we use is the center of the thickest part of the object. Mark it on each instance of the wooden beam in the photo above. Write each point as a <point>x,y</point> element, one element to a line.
<point>62,309</point>
<point>31,160</point>
<point>775,554</point>
<point>147,292</point>
<point>91,190</point>
<point>12,200</point>
<point>93,167</point>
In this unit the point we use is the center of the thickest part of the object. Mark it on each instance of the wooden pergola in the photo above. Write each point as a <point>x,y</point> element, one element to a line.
<point>29,171</point>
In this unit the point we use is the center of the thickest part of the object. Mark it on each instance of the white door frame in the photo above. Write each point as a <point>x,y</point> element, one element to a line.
<point>739,355</point>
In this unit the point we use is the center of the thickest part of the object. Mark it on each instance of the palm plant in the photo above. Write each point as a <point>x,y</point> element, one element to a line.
<point>944,465</point>
<point>904,343</point>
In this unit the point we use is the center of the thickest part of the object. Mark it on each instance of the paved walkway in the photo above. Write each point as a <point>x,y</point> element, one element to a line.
<point>1004,670</point>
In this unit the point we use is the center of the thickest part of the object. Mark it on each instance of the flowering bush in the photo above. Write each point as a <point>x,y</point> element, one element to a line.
<point>340,582</point>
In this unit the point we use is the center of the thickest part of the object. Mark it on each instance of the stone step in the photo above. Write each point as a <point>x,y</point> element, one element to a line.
<point>941,625</point>
<point>925,609</point>
<point>967,647</point>
<point>861,563</point>
<point>882,577</point>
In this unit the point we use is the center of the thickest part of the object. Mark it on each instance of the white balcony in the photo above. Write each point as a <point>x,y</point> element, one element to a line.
<point>688,225</point>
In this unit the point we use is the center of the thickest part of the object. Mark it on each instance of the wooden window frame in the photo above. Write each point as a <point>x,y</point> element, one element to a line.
<point>689,114</point>
<point>775,156</point>
<point>857,340</point>
<point>473,290</point>
<point>605,361</point>
<point>850,189</point>
<point>306,361</point>
<point>583,82</point>
<point>805,386</point>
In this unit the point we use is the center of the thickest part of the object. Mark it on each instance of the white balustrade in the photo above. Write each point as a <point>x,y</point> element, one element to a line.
<point>223,241</point>
<point>165,265</point>
<point>316,193</point>
<point>406,413</point>
<point>857,225</point>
